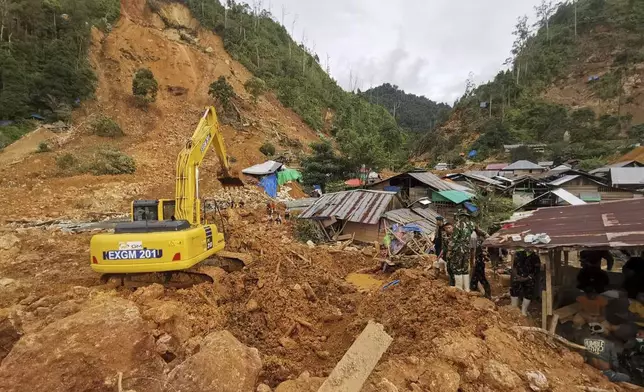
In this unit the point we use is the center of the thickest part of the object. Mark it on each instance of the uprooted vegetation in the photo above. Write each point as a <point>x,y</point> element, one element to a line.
<point>103,161</point>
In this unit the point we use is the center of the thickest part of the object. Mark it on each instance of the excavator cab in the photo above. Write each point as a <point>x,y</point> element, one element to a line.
<point>153,210</point>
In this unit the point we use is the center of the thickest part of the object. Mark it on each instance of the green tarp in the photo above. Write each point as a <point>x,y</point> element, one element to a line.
<point>456,197</point>
<point>288,175</point>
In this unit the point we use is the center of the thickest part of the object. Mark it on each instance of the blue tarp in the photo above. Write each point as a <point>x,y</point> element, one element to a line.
<point>472,154</point>
<point>269,183</point>
<point>392,189</point>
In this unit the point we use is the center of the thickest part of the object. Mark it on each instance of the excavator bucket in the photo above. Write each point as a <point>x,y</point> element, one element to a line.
<point>230,181</point>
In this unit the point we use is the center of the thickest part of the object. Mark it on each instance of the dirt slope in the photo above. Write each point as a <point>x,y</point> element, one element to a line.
<point>32,187</point>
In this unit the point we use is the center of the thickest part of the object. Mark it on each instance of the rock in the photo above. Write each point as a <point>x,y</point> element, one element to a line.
<point>472,373</point>
<point>209,49</point>
<point>440,377</point>
<point>9,241</point>
<point>483,304</point>
<point>310,244</point>
<point>9,333</point>
<point>80,291</point>
<point>263,388</point>
<point>415,387</point>
<point>308,291</point>
<point>42,311</point>
<point>164,313</point>
<point>463,351</point>
<point>223,364</point>
<point>501,376</point>
<point>81,351</point>
<point>368,251</point>
<point>304,383</point>
<point>288,343</point>
<point>5,282</point>
<point>387,386</point>
<point>323,354</point>
<point>146,294</point>
<point>537,380</point>
<point>252,305</point>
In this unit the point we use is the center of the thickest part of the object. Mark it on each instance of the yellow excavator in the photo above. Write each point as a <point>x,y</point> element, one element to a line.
<point>167,238</point>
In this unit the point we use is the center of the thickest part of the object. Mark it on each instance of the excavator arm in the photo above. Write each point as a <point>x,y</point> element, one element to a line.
<point>188,206</point>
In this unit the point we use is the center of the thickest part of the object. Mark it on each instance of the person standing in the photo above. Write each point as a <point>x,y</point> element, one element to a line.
<point>478,275</point>
<point>461,253</point>
<point>524,272</point>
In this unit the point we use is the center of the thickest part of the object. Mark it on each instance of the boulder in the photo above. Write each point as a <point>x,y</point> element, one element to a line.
<point>537,380</point>
<point>440,377</point>
<point>263,388</point>
<point>387,386</point>
<point>82,351</point>
<point>500,376</point>
<point>223,364</point>
<point>170,317</point>
<point>9,241</point>
<point>464,351</point>
<point>304,383</point>
<point>146,294</point>
<point>483,304</point>
<point>252,305</point>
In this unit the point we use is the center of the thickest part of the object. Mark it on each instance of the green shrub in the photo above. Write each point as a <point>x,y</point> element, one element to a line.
<point>109,161</point>
<point>43,147</point>
<point>67,162</point>
<point>256,87</point>
<point>222,91</point>
<point>308,230</point>
<point>608,86</point>
<point>144,86</point>
<point>591,164</point>
<point>106,127</point>
<point>267,149</point>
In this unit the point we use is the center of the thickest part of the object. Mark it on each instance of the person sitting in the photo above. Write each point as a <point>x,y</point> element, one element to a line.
<point>592,306</point>
<point>602,354</point>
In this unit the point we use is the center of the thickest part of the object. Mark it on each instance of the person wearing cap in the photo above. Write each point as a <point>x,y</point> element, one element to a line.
<point>602,354</point>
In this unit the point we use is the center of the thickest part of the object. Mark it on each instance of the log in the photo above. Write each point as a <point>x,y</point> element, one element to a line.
<point>304,323</point>
<point>520,329</point>
<point>277,270</point>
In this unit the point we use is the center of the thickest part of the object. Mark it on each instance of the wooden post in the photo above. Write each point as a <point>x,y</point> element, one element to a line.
<point>557,267</point>
<point>548,262</point>
<point>566,258</point>
<point>544,310</point>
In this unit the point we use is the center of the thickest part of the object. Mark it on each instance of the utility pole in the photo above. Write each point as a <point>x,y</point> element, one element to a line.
<point>490,105</point>
<point>284,13</point>
<point>575,2</point>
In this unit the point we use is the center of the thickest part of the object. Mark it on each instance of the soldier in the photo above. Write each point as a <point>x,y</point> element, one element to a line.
<point>461,252</point>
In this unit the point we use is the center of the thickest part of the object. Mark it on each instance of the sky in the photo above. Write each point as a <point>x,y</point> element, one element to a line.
<point>426,47</point>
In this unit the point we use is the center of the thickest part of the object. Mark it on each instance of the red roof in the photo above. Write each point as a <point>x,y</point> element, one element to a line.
<point>354,182</point>
<point>496,166</point>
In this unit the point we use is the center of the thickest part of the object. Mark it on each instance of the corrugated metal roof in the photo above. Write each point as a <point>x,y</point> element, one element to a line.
<point>546,163</point>
<point>568,197</point>
<point>477,177</point>
<point>360,206</point>
<point>424,218</point>
<point>618,224</point>
<point>524,165</point>
<point>563,180</point>
<point>435,182</point>
<point>627,176</point>
<point>560,168</point>
<point>485,173</point>
<point>300,204</point>
<point>496,166</point>
<point>456,197</point>
<point>262,169</point>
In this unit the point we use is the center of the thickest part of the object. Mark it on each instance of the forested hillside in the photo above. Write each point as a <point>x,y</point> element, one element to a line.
<point>364,131</point>
<point>574,82</point>
<point>44,68</point>
<point>412,112</point>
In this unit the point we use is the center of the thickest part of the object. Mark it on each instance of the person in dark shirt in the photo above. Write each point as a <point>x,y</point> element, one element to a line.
<point>633,272</point>
<point>602,354</point>
<point>478,275</point>
<point>591,275</point>
<point>524,278</point>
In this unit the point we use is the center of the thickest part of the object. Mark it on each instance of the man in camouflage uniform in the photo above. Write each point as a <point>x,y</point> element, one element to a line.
<point>461,252</point>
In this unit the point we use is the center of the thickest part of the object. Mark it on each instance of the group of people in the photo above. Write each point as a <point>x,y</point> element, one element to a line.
<point>459,247</point>
<point>610,323</point>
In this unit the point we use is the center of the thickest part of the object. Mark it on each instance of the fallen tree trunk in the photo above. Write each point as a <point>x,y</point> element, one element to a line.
<point>519,330</point>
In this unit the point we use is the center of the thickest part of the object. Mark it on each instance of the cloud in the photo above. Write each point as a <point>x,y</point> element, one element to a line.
<point>425,47</point>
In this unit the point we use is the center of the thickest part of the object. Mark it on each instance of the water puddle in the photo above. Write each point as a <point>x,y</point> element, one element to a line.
<point>364,282</point>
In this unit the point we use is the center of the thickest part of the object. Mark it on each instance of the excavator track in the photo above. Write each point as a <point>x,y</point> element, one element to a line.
<point>208,271</point>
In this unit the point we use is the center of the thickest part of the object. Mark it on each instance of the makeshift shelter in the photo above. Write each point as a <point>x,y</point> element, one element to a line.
<point>555,197</point>
<point>589,188</point>
<point>410,230</point>
<point>415,185</point>
<point>354,213</point>
<point>447,203</point>
<point>555,231</point>
<point>263,169</point>
<point>272,175</point>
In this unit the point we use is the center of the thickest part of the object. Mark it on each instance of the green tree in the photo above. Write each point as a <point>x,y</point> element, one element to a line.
<point>523,153</point>
<point>323,166</point>
<point>256,87</point>
<point>145,86</point>
<point>267,149</point>
<point>222,91</point>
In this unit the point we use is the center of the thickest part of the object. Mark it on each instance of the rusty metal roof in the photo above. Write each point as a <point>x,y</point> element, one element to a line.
<point>618,224</point>
<point>421,217</point>
<point>437,183</point>
<point>360,206</point>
